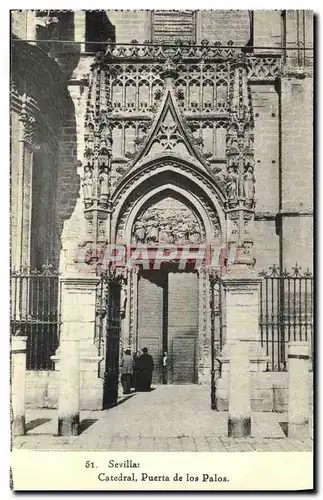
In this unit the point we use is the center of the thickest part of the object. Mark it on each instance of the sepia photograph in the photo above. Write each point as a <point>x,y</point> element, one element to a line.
<point>161,226</point>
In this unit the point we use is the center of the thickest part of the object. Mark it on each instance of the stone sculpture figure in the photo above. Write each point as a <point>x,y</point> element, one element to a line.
<point>139,232</point>
<point>231,184</point>
<point>153,233</point>
<point>104,186</point>
<point>163,234</point>
<point>249,185</point>
<point>88,186</point>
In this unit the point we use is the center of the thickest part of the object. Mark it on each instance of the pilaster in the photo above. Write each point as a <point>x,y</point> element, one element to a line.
<point>204,354</point>
<point>21,207</point>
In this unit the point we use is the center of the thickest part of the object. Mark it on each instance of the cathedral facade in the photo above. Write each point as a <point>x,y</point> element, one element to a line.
<point>144,130</point>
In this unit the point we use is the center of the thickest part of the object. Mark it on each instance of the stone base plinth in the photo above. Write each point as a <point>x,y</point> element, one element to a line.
<point>261,392</point>
<point>269,391</point>
<point>91,386</point>
<point>42,390</point>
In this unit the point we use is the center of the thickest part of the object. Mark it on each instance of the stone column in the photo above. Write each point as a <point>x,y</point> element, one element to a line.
<point>69,388</point>
<point>78,316</point>
<point>126,320</point>
<point>133,308</point>
<point>298,390</point>
<point>239,421</point>
<point>22,174</point>
<point>204,360</point>
<point>18,384</point>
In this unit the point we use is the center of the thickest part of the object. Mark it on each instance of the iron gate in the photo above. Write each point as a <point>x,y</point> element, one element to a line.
<point>286,312</point>
<point>34,313</point>
<point>108,334</point>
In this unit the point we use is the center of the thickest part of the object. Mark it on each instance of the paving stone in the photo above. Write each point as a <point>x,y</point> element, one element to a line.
<point>147,443</point>
<point>161,444</point>
<point>244,446</point>
<point>175,444</point>
<point>133,443</point>
<point>170,418</point>
<point>230,444</point>
<point>261,445</point>
<point>216,444</point>
<point>188,444</point>
<point>293,445</point>
<point>202,444</point>
<point>274,445</point>
<point>117,444</point>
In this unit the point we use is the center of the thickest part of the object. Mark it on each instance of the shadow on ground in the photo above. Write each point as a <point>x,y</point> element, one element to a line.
<point>86,423</point>
<point>125,398</point>
<point>284,427</point>
<point>36,423</point>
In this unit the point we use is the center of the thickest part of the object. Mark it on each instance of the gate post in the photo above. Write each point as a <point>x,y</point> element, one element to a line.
<point>298,390</point>
<point>18,384</point>
<point>239,421</point>
<point>69,389</point>
<point>241,286</point>
<point>78,321</point>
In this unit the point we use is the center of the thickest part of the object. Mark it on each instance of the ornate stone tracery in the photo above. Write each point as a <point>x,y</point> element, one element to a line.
<point>183,99</point>
<point>240,179</point>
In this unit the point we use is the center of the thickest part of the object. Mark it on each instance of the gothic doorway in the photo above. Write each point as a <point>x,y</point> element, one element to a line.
<point>168,321</point>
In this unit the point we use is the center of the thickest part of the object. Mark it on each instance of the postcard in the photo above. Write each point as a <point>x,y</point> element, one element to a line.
<point>161,322</point>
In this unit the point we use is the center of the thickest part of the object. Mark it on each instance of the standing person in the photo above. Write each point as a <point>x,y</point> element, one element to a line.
<point>126,370</point>
<point>135,378</point>
<point>146,367</point>
<point>165,367</point>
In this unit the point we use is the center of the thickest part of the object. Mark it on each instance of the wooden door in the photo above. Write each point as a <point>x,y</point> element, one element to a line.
<point>182,327</point>
<point>151,291</point>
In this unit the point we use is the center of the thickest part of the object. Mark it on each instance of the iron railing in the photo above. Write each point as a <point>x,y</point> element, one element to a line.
<point>34,313</point>
<point>286,312</point>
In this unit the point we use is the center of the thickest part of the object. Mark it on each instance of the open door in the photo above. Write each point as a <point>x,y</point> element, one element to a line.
<point>111,373</point>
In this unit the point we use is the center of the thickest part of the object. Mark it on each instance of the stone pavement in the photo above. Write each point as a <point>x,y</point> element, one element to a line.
<point>169,418</point>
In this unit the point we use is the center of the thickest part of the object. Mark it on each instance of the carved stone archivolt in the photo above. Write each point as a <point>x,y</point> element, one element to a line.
<point>126,207</point>
<point>28,121</point>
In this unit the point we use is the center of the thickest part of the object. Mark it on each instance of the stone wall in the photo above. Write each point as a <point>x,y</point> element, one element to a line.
<point>224,25</point>
<point>68,181</point>
<point>269,392</point>
<point>297,170</point>
<point>267,30</point>
<point>130,25</point>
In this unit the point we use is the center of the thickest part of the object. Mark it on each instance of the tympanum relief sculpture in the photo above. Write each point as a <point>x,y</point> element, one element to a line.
<point>168,221</point>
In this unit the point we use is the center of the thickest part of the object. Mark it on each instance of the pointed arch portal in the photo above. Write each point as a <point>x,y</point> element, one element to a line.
<point>169,195</point>
<point>168,200</point>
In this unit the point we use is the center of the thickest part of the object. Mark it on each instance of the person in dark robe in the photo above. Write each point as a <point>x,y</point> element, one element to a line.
<point>126,370</point>
<point>145,366</point>
<point>135,377</point>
